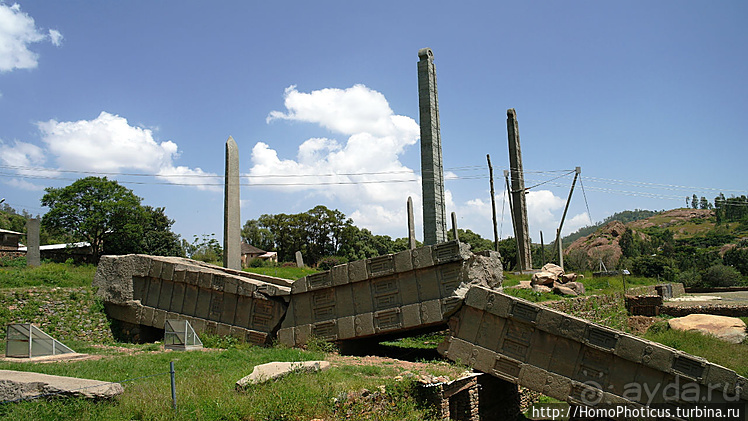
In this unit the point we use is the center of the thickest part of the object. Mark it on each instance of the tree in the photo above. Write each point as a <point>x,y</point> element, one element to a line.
<point>109,216</point>
<point>158,239</point>
<point>704,203</point>
<point>629,243</point>
<point>477,243</point>
<point>694,202</point>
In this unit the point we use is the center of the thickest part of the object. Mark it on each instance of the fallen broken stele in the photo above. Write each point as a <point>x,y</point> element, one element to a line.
<point>548,351</point>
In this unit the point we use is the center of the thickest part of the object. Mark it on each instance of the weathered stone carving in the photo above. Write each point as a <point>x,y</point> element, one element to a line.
<point>577,361</point>
<point>389,294</point>
<point>147,290</point>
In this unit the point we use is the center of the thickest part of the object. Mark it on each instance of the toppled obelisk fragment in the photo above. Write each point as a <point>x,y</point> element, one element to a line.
<point>578,361</point>
<point>19,385</point>
<point>389,294</point>
<point>147,290</point>
<point>275,370</point>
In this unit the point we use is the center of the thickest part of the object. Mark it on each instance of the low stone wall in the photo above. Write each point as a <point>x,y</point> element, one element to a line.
<point>719,310</point>
<point>643,305</point>
<point>11,254</point>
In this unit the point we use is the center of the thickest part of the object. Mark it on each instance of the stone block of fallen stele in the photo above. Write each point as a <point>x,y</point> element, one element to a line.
<point>19,385</point>
<point>275,370</point>
<point>543,278</point>
<point>730,329</point>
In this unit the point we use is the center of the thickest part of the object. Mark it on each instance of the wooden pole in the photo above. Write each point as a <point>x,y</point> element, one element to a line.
<point>493,205</point>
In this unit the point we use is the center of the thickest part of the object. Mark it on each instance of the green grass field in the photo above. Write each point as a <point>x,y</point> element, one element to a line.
<point>205,379</point>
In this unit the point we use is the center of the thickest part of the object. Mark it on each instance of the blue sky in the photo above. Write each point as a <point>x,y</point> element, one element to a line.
<point>649,98</point>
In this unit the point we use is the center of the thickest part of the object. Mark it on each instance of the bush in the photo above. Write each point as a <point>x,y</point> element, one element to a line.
<point>12,262</point>
<point>690,278</point>
<point>260,263</point>
<point>327,263</point>
<point>721,276</point>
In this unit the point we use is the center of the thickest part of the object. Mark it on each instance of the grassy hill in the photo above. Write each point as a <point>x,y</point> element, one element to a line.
<point>687,245</point>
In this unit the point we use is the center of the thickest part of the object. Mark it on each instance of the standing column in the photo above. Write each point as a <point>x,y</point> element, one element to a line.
<point>432,171</point>
<point>232,230</point>
<point>33,257</point>
<point>519,211</point>
<point>411,225</point>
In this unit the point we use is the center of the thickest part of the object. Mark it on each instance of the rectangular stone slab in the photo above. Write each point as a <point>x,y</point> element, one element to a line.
<point>17,385</point>
<point>147,289</point>
<point>389,294</point>
<point>577,361</point>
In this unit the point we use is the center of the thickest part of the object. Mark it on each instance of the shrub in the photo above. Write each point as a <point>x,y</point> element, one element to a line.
<point>690,278</point>
<point>260,263</point>
<point>721,276</point>
<point>327,263</point>
<point>12,262</point>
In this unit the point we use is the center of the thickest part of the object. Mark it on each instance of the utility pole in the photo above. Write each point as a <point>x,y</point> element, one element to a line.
<point>542,250</point>
<point>577,171</point>
<point>493,205</point>
<point>514,224</point>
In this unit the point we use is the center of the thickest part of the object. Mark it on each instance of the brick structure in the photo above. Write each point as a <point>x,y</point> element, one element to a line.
<point>643,305</point>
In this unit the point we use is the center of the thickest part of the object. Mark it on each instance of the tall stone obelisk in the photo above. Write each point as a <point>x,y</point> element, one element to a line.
<point>432,170</point>
<point>519,211</point>
<point>232,257</point>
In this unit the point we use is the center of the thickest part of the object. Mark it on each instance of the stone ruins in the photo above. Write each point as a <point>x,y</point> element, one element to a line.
<point>441,284</point>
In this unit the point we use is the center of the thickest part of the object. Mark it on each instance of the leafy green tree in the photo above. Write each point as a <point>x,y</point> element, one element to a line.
<point>204,248</point>
<point>508,251</point>
<point>90,208</point>
<point>110,217</point>
<point>158,238</point>
<point>477,243</point>
<point>738,258</point>
<point>257,235</point>
<point>721,276</point>
<point>694,202</point>
<point>629,243</point>
<point>704,204</point>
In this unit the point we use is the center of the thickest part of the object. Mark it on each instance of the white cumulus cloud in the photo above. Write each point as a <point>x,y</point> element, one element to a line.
<point>17,32</point>
<point>362,171</point>
<point>109,144</point>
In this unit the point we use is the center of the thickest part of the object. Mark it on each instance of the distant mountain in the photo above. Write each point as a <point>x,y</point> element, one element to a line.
<point>665,243</point>
<point>624,217</point>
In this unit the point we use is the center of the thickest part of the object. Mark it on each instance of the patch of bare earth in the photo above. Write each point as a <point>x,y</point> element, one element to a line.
<point>640,324</point>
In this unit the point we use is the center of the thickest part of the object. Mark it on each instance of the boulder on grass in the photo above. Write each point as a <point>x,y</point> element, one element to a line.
<point>568,277</point>
<point>561,289</point>
<point>730,329</point>
<point>577,287</point>
<point>543,278</point>
<point>554,269</point>
<point>541,288</point>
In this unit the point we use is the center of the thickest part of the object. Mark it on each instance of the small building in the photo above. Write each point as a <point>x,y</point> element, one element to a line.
<point>250,252</point>
<point>9,240</point>
<point>80,252</point>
